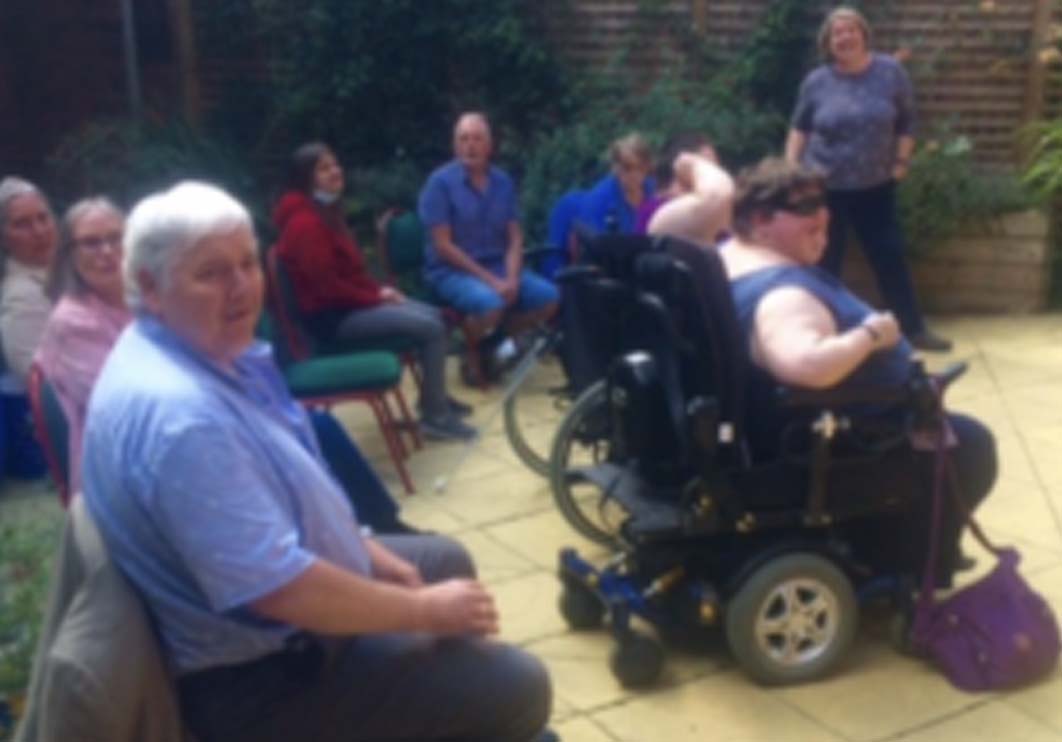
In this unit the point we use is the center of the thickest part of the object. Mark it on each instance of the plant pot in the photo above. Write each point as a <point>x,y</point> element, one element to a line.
<point>999,266</point>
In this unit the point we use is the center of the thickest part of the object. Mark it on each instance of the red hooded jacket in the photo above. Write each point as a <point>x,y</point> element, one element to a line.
<point>326,267</point>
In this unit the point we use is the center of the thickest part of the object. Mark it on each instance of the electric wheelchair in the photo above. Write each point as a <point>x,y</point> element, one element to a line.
<point>772,540</point>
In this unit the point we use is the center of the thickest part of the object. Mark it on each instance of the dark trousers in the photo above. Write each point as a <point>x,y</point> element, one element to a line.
<point>372,502</point>
<point>871,212</point>
<point>902,541</point>
<point>380,687</point>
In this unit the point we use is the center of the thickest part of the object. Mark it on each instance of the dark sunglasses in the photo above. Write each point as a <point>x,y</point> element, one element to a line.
<point>805,206</point>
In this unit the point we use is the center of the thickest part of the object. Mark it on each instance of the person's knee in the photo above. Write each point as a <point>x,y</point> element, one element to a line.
<point>528,702</point>
<point>451,559</point>
<point>976,458</point>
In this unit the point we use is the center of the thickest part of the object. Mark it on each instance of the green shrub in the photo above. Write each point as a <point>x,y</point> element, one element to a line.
<point>945,191</point>
<point>127,161</point>
<point>27,551</point>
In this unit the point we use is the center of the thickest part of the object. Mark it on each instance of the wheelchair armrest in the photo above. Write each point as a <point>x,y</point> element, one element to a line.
<point>574,273</point>
<point>789,397</point>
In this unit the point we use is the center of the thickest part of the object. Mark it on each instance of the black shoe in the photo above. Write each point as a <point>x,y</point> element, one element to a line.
<point>964,562</point>
<point>399,527</point>
<point>927,341</point>
<point>459,408</point>
<point>449,427</point>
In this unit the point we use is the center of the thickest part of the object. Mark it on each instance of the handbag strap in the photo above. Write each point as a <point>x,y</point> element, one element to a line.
<point>945,476</point>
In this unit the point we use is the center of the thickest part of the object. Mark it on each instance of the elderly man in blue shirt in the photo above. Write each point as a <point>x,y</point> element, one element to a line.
<point>281,618</point>
<point>474,251</point>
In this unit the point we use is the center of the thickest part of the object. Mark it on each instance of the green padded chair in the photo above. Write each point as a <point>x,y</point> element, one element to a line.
<point>52,429</point>
<point>400,245</point>
<point>326,380</point>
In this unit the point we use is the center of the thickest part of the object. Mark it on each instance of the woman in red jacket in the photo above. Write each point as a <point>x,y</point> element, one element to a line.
<point>341,304</point>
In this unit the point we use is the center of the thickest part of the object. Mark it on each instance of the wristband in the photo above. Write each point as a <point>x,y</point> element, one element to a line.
<point>875,336</point>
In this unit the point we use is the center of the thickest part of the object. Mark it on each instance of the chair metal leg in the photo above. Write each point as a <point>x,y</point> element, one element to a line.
<point>378,403</point>
<point>408,423</point>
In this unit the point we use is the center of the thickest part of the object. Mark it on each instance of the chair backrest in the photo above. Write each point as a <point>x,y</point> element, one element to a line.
<point>401,241</point>
<point>52,429</point>
<point>293,342</point>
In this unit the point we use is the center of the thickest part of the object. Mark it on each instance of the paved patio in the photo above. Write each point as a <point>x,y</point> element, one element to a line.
<point>504,514</point>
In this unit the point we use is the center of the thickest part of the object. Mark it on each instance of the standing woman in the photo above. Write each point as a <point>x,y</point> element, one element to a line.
<point>28,240</point>
<point>854,121</point>
<point>341,304</point>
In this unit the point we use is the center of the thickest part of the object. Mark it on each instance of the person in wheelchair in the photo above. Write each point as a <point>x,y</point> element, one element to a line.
<point>806,330</point>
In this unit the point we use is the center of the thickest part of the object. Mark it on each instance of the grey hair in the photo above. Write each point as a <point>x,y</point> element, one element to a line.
<point>166,225</point>
<point>63,278</point>
<point>842,12</point>
<point>13,187</point>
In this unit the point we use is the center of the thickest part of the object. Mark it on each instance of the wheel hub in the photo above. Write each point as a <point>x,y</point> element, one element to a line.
<point>797,621</point>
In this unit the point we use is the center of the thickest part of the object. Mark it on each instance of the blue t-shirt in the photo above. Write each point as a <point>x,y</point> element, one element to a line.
<point>604,208</point>
<point>886,367</point>
<point>479,220</point>
<point>852,122</point>
<point>210,492</point>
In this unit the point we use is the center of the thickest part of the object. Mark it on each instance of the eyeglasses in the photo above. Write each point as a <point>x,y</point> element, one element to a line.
<point>96,242</point>
<point>805,206</point>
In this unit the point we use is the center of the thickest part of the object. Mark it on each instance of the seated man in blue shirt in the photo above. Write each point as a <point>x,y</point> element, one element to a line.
<point>474,253</point>
<point>281,619</point>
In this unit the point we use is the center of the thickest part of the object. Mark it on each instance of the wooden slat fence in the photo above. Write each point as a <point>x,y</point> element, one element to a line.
<point>970,59</point>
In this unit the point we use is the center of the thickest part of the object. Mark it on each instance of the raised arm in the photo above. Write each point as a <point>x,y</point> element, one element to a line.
<point>702,210</point>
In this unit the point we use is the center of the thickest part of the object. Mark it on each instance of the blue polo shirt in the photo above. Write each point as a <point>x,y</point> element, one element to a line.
<point>478,220</point>
<point>210,492</point>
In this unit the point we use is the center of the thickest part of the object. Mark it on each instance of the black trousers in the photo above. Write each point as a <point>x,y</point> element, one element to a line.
<point>871,212</point>
<point>380,687</point>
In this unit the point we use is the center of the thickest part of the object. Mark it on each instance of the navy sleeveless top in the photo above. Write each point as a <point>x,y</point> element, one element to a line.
<point>887,367</point>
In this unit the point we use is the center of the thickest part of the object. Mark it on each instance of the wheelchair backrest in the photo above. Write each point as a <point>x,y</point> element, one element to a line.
<point>598,306</point>
<point>697,340</point>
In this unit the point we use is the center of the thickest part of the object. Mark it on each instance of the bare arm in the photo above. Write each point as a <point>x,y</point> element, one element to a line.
<point>327,599</point>
<point>514,251</point>
<point>795,142</point>
<point>795,338</point>
<point>452,254</point>
<point>904,149</point>
<point>703,209</point>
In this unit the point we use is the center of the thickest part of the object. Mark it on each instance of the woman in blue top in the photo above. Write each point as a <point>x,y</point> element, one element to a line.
<point>612,204</point>
<point>806,330</point>
<point>854,121</point>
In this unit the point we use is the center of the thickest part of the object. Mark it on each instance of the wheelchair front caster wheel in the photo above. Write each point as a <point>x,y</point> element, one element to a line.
<point>637,661</point>
<point>792,620</point>
<point>580,607</point>
<point>901,624</point>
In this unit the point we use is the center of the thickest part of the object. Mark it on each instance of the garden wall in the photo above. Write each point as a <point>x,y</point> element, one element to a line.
<point>1001,266</point>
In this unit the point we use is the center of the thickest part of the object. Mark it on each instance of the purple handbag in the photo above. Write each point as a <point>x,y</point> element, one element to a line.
<point>996,633</point>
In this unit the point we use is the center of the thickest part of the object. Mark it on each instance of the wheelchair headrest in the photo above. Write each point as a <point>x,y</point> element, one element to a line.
<point>617,254</point>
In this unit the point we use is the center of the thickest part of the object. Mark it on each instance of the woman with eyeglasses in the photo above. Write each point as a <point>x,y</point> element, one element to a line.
<point>805,329</point>
<point>854,120</point>
<point>86,282</point>
<point>28,238</point>
<point>611,205</point>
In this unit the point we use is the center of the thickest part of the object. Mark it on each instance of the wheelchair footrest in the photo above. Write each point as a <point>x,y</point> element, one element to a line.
<point>650,513</point>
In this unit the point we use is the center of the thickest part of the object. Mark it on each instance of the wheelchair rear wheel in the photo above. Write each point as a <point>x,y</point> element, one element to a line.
<point>792,620</point>
<point>583,441</point>
<point>534,410</point>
